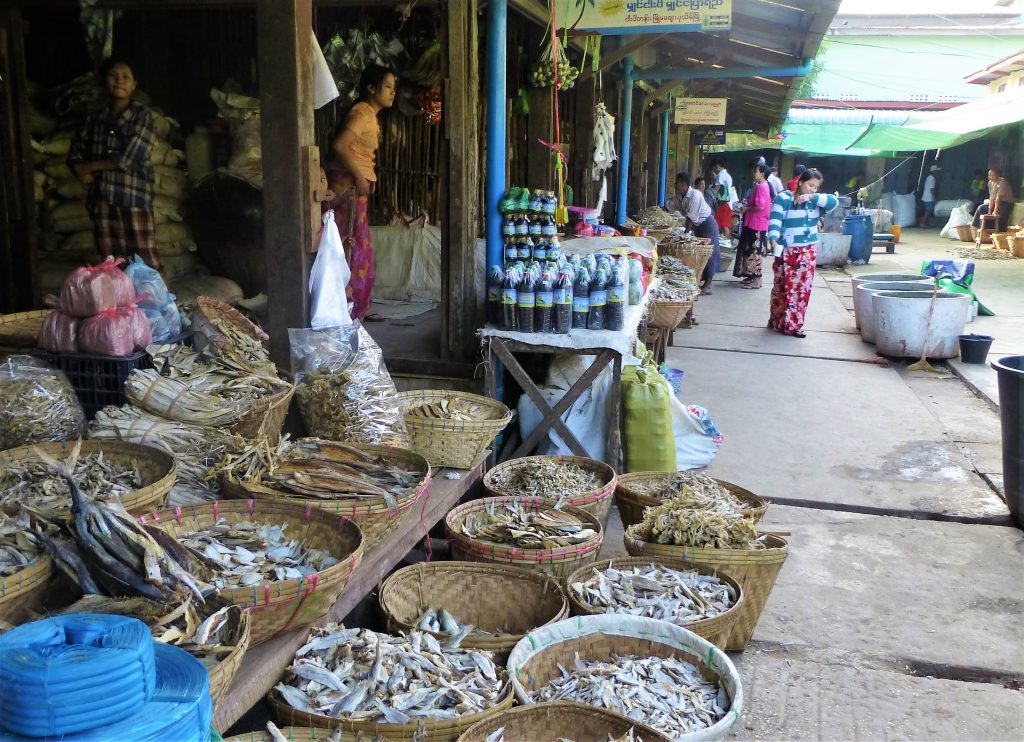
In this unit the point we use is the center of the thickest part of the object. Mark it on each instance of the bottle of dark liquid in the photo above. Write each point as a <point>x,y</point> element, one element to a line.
<point>511,249</point>
<point>527,301</point>
<point>523,247</point>
<point>494,296</point>
<point>540,248</point>
<point>615,310</point>
<point>598,301</point>
<point>563,303</point>
<point>509,301</point>
<point>522,225</point>
<point>581,300</point>
<point>544,314</point>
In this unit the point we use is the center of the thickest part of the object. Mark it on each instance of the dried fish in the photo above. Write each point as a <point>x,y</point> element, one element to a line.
<point>456,409</point>
<point>19,546</point>
<point>677,522</point>
<point>526,526</point>
<point>666,693</point>
<point>32,482</point>
<point>359,674</point>
<point>670,266</point>
<point>698,488</point>
<point>657,217</point>
<point>221,373</point>
<point>175,399</point>
<point>498,735</point>
<point>548,478</point>
<point>440,621</point>
<point>249,553</point>
<point>679,597</point>
<point>36,404</point>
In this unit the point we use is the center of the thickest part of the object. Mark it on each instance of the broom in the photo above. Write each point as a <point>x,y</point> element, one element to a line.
<point>922,364</point>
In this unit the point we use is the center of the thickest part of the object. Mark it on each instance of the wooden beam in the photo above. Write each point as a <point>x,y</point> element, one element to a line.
<point>286,109</point>
<point>620,53</point>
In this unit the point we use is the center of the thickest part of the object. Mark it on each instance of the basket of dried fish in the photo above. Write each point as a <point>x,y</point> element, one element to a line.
<point>227,328</point>
<point>656,217</point>
<point>490,606</point>
<point>371,485</point>
<point>215,632</point>
<point>452,428</point>
<point>693,690</point>
<point>698,598</point>
<point>406,687</point>
<point>19,331</point>
<point>637,491</point>
<point>284,563</point>
<point>137,476</point>
<point>721,541</point>
<point>564,720</point>
<point>266,416</point>
<point>573,480</point>
<point>25,568</point>
<point>524,532</point>
<point>275,733</point>
<point>694,252</point>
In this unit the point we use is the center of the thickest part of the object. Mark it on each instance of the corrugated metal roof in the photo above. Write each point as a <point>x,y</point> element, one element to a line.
<point>840,116</point>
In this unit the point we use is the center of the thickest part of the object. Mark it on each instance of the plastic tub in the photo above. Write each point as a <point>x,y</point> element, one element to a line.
<point>974,348</point>
<point>1010,372</point>
<point>907,325</point>
<point>833,249</point>
<point>860,227</point>
<point>862,310</point>
<point>875,277</point>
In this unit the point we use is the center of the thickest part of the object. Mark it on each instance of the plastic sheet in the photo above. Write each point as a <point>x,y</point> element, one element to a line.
<point>36,404</point>
<point>59,333</point>
<point>91,290</point>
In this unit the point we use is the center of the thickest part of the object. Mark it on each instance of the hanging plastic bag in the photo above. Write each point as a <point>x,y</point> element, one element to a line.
<point>91,290</point>
<point>697,440</point>
<point>343,387</point>
<point>147,281</point>
<point>647,427</point>
<point>328,280</point>
<point>59,333</point>
<point>36,404</point>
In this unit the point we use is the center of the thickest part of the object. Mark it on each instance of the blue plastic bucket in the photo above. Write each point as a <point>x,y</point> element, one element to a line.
<point>860,228</point>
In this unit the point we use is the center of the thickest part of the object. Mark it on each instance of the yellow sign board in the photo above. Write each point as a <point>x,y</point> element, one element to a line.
<point>700,111</point>
<point>618,17</point>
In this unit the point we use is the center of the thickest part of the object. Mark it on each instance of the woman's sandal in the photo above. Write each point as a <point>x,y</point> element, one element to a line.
<point>799,334</point>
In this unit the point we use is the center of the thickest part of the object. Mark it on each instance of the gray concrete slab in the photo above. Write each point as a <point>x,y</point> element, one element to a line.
<point>829,431</point>
<point>795,699</point>
<point>884,591</point>
<point>833,345</point>
<point>963,415</point>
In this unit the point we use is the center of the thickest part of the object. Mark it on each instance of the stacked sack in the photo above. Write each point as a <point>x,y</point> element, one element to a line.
<point>67,239</point>
<point>98,313</point>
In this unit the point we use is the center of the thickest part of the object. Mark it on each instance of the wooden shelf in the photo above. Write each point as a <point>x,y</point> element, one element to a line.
<point>263,666</point>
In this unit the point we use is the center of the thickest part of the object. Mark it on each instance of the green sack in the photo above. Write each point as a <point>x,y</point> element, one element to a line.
<point>647,429</point>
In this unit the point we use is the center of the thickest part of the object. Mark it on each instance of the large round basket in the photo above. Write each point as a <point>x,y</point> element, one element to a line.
<point>20,330</point>
<point>265,417</point>
<point>632,501</point>
<point>597,502</point>
<point>536,659</point>
<point>1017,245</point>
<point>505,601</point>
<point>668,314</point>
<point>454,443</point>
<point>22,593</point>
<point>559,562</point>
<point>716,629</point>
<point>207,313</point>
<point>563,720</point>
<point>436,730</point>
<point>224,671</point>
<point>694,254</point>
<point>282,605</point>
<point>754,569</point>
<point>296,734</point>
<point>155,466</point>
<point>373,515</point>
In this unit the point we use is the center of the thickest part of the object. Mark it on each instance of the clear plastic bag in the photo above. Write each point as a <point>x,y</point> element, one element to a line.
<point>344,390</point>
<point>90,290</point>
<point>59,333</point>
<point>37,404</point>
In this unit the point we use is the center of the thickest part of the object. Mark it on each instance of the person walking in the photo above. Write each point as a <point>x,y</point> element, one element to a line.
<point>928,193</point>
<point>753,244</point>
<point>793,236</point>
<point>1000,201</point>
<point>690,203</point>
<point>724,193</point>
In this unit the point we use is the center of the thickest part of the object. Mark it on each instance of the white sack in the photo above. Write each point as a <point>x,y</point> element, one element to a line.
<point>696,446</point>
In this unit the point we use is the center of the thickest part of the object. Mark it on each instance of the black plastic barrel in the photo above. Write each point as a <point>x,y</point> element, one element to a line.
<point>1010,371</point>
<point>974,348</point>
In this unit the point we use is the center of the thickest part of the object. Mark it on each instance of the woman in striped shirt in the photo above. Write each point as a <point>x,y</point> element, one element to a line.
<point>793,235</point>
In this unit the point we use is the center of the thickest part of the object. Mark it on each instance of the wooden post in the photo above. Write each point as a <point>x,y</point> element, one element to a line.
<point>582,163</point>
<point>286,107</point>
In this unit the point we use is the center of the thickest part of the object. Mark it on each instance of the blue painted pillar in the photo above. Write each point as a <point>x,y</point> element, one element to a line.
<point>626,122</point>
<point>663,174</point>
<point>497,43</point>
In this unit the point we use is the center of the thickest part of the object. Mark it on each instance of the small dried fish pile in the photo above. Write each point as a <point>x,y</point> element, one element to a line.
<point>36,404</point>
<point>547,478</point>
<point>354,405</point>
<point>656,592</point>
<point>34,483</point>
<point>452,409</point>
<point>248,553</point>
<point>665,693</point>
<point>671,266</point>
<point>527,528</point>
<point>673,293</point>
<point>224,375</point>
<point>696,487</point>
<point>19,546</point>
<point>360,675</point>
<point>498,735</point>
<point>440,621</point>
<point>657,217</point>
<point>677,522</point>
<point>175,399</point>
<point>235,345</point>
<point>678,237</point>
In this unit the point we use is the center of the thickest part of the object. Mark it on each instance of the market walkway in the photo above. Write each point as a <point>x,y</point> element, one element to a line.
<point>898,613</point>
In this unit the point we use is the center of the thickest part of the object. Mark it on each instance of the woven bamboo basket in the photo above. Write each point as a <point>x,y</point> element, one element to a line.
<point>563,720</point>
<point>1001,240</point>
<point>283,605</point>
<point>20,330</point>
<point>596,502</point>
<point>1017,245</point>
<point>716,629</point>
<point>694,254</point>
<point>372,514</point>
<point>668,314</point>
<point>453,443</point>
<point>559,562</point>
<point>265,417</point>
<point>224,671</point>
<point>155,466</point>
<point>299,734</point>
<point>965,232</point>
<point>632,502</point>
<point>446,730</point>
<point>22,593</point>
<point>536,659</point>
<point>754,569</point>
<point>506,601</point>
<point>206,310</point>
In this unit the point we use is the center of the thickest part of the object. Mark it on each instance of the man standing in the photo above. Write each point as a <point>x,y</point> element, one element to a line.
<point>1000,200</point>
<point>690,203</point>
<point>928,196</point>
<point>775,183</point>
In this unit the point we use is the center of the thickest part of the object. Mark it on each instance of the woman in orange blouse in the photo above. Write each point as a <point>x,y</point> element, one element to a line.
<point>352,178</point>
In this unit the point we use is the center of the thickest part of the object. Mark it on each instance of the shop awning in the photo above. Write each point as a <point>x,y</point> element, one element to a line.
<point>818,139</point>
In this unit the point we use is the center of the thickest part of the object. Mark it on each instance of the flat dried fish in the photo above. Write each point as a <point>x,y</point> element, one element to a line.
<point>440,621</point>
<point>460,410</point>
<point>359,674</point>
<point>677,596</point>
<point>677,522</point>
<point>33,483</point>
<point>19,546</point>
<point>666,693</point>
<point>543,477</point>
<point>526,526</point>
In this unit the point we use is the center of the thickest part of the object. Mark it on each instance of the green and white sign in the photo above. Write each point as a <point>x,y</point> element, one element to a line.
<point>620,17</point>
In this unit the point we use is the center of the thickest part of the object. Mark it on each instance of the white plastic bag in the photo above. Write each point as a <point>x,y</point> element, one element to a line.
<point>959,216</point>
<point>697,438</point>
<point>328,280</point>
<point>587,418</point>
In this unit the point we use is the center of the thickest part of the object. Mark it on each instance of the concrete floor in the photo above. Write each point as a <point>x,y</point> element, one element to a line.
<point>899,613</point>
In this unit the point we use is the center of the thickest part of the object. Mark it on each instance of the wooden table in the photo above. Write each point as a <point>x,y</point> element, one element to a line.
<point>263,666</point>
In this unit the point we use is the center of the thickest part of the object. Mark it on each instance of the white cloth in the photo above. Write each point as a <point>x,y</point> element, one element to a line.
<point>928,194</point>
<point>775,183</point>
<point>692,206</point>
<point>724,179</point>
<point>324,88</point>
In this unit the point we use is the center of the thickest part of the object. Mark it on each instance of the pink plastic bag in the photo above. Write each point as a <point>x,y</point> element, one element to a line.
<point>59,333</point>
<point>115,332</point>
<point>91,290</point>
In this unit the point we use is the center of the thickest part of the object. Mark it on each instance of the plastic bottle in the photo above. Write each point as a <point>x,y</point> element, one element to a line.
<point>509,300</point>
<point>494,296</point>
<point>581,300</point>
<point>527,301</point>
<point>554,248</point>
<point>540,249</point>
<point>544,315</point>
<point>563,303</point>
<point>598,300</point>
<point>536,227</point>
<point>615,311</point>
<point>522,225</point>
<point>511,249</point>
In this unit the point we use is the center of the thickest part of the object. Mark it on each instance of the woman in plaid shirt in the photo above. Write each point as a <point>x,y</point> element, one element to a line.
<point>110,155</point>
